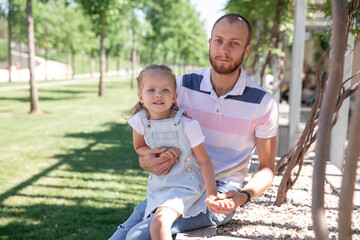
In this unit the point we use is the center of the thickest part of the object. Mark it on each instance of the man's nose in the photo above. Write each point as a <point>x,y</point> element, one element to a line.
<point>224,48</point>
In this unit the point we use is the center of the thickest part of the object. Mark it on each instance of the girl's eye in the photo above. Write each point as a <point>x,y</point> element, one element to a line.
<point>151,90</point>
<point>166,90</point>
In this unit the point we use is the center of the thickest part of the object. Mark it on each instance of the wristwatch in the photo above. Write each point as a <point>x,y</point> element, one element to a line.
<point>248,196</point>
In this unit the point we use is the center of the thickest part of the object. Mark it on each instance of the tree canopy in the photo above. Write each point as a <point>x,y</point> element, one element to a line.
<point>166,30</point>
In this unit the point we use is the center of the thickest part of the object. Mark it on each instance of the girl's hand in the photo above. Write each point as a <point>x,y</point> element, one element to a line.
<point>155,163</point>
<point>224,203</point>
<point>171,154</point>
<point>211,201</point>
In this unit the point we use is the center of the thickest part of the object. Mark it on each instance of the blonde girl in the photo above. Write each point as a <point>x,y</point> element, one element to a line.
<point>158,122</point>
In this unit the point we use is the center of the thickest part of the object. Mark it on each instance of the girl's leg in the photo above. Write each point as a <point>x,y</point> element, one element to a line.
<point>163,219</point>
<point>135,218</point>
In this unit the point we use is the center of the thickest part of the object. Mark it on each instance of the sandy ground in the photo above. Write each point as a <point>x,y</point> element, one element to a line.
<point>261,219</point>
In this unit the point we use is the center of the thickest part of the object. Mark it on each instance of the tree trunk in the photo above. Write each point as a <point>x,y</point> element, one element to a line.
<point>92,66</point>
<point>152,49</point>
<point>117,61</point>
<point>133,60</point>
<point>46,63</point>
<point>34,98</point>
<point>68,63</point>
<point>10,16</point>
<point>349,175</point>
<point>73,63</point>
<point>351,161</point>
<point>107,60</point>
<point>336,69</point>
<point>102,64</point>
<point>280,6</point>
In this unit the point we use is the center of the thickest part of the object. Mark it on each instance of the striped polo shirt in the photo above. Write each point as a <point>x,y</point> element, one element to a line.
<point>230,122</point>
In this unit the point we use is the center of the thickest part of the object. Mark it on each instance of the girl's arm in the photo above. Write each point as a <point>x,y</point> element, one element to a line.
<point>207,170</point>
<point>139,144</point>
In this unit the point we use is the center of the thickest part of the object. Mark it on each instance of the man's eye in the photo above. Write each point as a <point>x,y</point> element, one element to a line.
<point>217,40</point>
<point>234,43</point>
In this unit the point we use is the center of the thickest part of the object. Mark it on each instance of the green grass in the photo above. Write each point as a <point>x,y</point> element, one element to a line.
<point>9,84</point>
<point>70,173</point>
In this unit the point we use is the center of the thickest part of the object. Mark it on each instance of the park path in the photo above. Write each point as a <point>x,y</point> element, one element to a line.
<point>55,71</point>
<point>64,82</point>
<point>20,71</point>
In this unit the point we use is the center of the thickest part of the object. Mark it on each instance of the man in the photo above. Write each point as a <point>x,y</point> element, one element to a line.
<point>235,115</point>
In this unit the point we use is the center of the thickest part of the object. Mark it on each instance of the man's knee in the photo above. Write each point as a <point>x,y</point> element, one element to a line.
<point>222,219</point>
<point>120,234</point>
<point>140,231</point>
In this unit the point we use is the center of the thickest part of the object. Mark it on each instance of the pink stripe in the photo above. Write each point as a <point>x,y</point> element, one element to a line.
<point>227,124</point>
<point>220,123</point>
<point>265,119</point>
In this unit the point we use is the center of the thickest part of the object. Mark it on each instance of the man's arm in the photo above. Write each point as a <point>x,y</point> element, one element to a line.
<point>154,160</point>
<point>260,181</point>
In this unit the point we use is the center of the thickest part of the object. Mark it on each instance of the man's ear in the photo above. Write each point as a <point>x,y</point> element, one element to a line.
<point>175,96</point>
<point>247,50</point>
<point>140,97</point>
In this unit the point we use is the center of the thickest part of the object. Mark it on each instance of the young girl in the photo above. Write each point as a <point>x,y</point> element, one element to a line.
<point>157,122</point>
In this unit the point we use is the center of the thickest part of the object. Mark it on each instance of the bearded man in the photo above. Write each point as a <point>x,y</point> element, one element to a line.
<point>236,115</point>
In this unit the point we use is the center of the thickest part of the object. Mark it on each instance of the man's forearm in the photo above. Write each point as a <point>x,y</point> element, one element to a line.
<point>259,182</point>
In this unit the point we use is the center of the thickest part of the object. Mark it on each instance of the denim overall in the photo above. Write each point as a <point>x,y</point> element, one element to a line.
<point>182,188</point>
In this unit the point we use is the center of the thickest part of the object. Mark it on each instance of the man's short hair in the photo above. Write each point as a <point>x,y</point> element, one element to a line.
<point>234,17</point>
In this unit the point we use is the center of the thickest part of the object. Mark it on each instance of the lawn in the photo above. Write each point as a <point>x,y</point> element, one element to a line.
<point>70,173</point>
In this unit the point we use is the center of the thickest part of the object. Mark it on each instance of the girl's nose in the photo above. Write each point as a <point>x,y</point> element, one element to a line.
<point>158,94</point>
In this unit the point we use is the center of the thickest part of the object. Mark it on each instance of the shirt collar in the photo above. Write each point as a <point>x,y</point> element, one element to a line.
<point>238,89</point>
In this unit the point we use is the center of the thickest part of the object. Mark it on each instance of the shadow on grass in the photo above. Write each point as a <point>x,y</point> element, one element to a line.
<point>87,196</point>
<point>41,98</point>
<point>44,221</point>
<point>70,92</point>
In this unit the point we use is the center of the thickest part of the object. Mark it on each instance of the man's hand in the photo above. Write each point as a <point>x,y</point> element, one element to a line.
<point>227,202</point>
<point>158,162</point>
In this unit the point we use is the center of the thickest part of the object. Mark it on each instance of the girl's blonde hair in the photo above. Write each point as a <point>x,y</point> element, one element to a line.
<point>145,74</point>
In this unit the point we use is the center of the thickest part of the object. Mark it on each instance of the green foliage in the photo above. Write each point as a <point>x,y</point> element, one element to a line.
<point>173,35</point>
<point>71,173</point>
<point>326,9</point>
<point>16,15</point>
<point>62,27</point>
<point>103,13</point>
<point>261,15</point>
<point>176,34</point>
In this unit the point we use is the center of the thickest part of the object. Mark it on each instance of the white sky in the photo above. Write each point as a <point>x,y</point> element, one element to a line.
<point>210,11</point>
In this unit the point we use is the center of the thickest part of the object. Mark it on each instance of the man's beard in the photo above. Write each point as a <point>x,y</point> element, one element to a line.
<point>226,70</point>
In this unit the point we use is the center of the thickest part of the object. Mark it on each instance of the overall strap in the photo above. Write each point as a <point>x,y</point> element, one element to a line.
<point>178,116</point>
<point>145,120</point>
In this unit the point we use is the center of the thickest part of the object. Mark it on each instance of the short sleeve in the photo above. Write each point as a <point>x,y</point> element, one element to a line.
<point>136,123</point>
<point>193,132</point>
<point>268,118</point>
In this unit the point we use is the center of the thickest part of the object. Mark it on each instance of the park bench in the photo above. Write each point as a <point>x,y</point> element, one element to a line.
<point>204,233</point>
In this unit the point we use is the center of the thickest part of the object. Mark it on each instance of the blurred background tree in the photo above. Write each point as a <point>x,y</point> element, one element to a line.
<point>100,36</point>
